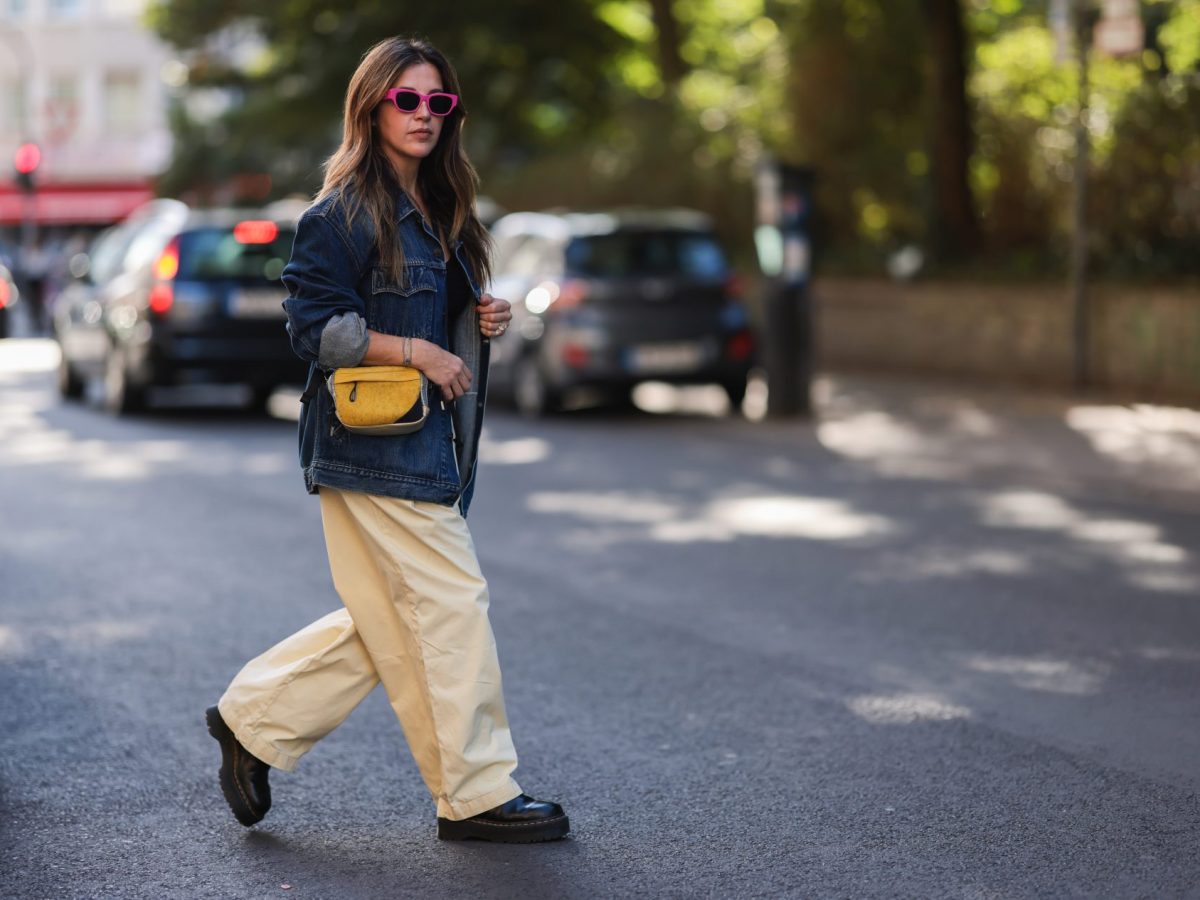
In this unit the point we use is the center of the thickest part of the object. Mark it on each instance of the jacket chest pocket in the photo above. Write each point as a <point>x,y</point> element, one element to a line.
<point>406,305</point>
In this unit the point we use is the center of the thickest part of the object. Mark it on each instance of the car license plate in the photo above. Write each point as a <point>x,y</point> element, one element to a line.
<point>257,304</point>
<point>676,357</point>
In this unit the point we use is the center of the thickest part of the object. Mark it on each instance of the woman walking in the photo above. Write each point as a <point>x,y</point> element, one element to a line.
<point>386,270</point>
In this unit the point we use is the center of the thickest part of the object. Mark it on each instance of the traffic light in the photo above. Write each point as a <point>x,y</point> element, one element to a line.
<point>26,161</point>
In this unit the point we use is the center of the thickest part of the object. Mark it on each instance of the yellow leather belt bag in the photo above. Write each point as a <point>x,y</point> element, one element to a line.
<point>380,400</point>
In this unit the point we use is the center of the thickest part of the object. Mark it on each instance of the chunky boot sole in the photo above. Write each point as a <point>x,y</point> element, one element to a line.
<point>504,832</point>
<point>230,747</point>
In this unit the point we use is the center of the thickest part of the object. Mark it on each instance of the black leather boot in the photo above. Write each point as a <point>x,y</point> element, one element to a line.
<point>243,776</point>
<point>522,820</point>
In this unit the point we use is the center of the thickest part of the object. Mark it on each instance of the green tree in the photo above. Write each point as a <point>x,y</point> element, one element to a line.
<point>532,73</point>
<point>940,122</point>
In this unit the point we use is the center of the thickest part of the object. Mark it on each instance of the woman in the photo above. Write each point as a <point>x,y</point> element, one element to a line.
<point>386,270</point>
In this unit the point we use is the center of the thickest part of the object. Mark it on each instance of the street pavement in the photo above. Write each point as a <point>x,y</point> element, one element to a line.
<point>943,643</point>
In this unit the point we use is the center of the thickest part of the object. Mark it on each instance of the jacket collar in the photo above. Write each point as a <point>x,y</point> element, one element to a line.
<point>404,205</point>
<point>405,208</point>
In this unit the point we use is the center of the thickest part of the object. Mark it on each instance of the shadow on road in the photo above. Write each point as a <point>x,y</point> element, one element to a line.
<point>937,643</point>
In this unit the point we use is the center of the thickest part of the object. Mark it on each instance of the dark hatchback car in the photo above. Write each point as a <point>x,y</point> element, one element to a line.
<point>175,296</point>
<point>603,301</point>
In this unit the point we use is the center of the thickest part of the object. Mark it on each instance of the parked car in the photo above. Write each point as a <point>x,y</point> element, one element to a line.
<point>604,301</point>
<point>175,296</point>
<point>9,295</point>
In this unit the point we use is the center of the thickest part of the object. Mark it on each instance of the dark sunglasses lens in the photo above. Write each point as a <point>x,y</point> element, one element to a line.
<point>407,101</point>
<point>441,104</point>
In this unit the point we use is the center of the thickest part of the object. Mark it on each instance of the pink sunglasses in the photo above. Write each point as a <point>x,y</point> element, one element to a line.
<point>407,100</point>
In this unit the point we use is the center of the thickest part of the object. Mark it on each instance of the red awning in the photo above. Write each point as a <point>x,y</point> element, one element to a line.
<point>75,204</point>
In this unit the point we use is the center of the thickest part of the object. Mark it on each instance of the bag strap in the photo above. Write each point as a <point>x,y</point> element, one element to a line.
<point>313,385</point>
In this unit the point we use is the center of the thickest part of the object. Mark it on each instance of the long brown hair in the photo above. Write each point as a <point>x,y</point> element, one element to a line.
<point>447,178</point>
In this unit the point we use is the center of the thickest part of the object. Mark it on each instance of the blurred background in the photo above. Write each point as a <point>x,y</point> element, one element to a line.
<point>1011,150</point>
<point>843,530</point>
<point>944,124</point>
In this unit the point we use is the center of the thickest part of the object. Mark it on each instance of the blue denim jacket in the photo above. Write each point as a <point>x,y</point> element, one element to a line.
<point>334,269</point>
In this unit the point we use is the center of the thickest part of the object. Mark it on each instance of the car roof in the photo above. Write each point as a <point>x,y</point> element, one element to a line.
<point>215,217</point>
<point>227,218</point>
<point>565,225</point>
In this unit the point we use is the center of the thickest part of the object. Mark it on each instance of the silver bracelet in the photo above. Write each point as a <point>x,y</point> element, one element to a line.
<point>408,351</point>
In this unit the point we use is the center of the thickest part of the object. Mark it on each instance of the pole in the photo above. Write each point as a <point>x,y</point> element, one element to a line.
<point>785,253</point>
<point>788,346</point>
<point>1079,236</point>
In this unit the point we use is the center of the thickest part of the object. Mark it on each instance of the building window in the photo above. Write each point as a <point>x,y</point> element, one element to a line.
<point>62,108</point>
<point>14,9</point>
<point>122,102</point>
<point>65,9</point>
<point>14,110</point>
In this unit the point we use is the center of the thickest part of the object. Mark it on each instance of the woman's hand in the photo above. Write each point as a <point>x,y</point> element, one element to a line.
<point>441,367</point>
<point>494,315</point>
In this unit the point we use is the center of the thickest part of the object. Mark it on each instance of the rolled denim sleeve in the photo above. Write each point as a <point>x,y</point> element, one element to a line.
<point>344,341</point>
<point>321,278</point>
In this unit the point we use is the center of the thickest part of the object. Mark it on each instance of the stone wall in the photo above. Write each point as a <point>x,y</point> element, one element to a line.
<point>1144,341</point>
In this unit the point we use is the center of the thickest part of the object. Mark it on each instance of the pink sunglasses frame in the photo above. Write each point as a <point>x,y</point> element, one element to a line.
<point>423,98</point>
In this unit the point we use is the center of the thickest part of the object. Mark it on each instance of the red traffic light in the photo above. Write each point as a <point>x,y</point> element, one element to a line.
<point>27,158</point>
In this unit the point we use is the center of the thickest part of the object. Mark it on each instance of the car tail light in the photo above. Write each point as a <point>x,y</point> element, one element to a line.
<point>575,355</point>
<point>5,293</point>
<point>166,267</point>
<point>162,296</point>
<point>255,231</point>
<point>739,346</point>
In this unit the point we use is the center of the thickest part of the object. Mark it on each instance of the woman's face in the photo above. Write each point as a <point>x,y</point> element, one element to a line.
<point>413,135</point>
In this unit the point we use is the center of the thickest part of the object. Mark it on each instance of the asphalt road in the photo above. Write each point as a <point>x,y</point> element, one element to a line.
<point>944,644</point>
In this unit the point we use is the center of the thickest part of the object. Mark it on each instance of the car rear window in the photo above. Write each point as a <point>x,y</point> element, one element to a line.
<point>631,254</point>
<point>210,254</point>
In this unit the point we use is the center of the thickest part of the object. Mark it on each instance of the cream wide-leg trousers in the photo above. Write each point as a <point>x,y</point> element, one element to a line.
<point>415,618</point>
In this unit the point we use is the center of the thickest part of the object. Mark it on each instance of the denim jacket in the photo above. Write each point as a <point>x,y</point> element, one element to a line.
<point>334,270</point>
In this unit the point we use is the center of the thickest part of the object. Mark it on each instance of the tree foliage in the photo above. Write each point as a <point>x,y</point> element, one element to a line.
<point>531,72</point>
<point>597,102</point>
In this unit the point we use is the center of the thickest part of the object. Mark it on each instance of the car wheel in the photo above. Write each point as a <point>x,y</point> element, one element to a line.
<point>120,397</point>
<point>534,396</point>
<point>70,385</point>
<point>736,392</point>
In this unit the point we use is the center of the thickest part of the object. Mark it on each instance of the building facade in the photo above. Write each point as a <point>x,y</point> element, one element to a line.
<point>87,82</point>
